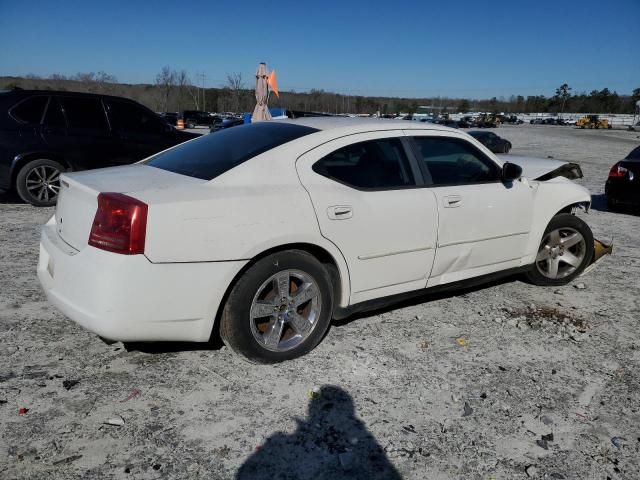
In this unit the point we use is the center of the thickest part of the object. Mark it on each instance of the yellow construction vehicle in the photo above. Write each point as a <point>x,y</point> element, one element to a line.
<point>485,120</point>
<point>592,121</point>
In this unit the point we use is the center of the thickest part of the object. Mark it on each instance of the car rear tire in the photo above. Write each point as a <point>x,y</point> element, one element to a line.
<point>38,182</point>
<point>279,309</point>
<point>565,251</point>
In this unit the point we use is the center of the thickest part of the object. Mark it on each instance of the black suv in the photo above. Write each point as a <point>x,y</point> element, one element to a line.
<point>43,133</point>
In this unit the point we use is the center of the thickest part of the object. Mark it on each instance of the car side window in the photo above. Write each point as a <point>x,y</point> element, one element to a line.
<point>30,110</point>
<point>452,161</point>
<point>372,165</point>
<point>54,117</point>
<point>128,117</point>
<point>85,113</point>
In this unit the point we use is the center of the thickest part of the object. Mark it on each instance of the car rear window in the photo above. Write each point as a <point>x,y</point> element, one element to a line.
<point>213,154</point>
<point>634,154</point>
<point>30,110</point>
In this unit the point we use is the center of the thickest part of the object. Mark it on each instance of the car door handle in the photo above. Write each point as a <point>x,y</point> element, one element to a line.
<point>452,201</point>
<point>339,212</point>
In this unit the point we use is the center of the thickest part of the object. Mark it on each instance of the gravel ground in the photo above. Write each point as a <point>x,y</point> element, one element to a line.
<point>503,381</point>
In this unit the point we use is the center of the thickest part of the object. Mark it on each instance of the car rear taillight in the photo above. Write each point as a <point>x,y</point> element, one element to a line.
<point>617,171</point>
<point>120,224</point>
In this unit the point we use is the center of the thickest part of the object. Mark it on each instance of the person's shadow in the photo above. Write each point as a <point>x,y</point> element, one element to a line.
<point>330,443</point>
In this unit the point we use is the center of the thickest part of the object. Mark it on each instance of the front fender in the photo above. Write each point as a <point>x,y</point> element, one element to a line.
<point>550,198</point>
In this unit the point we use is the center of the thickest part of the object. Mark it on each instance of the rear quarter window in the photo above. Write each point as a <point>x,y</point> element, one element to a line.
<point>30,110</point>
<point>216,153</point>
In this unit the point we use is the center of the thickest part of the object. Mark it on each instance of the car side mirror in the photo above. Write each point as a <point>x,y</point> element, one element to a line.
<point>511,172</point>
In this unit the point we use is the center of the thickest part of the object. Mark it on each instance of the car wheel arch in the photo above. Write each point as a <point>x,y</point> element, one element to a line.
<point>21,160</point>
<point>338,271</point>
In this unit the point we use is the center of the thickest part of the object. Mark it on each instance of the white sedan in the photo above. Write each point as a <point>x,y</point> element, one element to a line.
<point>266,232</point>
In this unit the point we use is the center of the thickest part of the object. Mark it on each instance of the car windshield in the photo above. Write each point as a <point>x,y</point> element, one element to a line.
<point>213,154</point>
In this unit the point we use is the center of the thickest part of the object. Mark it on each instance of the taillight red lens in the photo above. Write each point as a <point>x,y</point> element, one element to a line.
<point>617,171</point>
<point>120,224</point>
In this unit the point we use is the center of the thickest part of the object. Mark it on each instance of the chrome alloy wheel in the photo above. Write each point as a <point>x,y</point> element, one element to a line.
<point>561,252</point>
<point>285,310</point>
<point>43,183</point>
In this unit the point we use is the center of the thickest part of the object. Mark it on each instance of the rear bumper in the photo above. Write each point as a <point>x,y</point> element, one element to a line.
<point>623,191</point>
<point>128,298</point>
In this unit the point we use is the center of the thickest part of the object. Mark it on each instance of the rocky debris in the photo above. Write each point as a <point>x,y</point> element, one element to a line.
<point>565,325</point>
<point>580,286</point>
<point>546,420</point>
<point>531,471</point>
<point>544,440</point>
<point>70,459</point>
<point>69,384</point>
<point>116,421</point>
<point>618,441</point>
<point>467,410</point>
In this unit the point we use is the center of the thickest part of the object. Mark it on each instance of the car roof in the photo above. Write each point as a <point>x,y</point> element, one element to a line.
<point>25,93</point>
<point>357,124</point>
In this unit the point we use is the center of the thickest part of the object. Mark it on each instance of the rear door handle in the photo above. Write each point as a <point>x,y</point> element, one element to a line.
<point>452,201</point>
<point>339,212</point>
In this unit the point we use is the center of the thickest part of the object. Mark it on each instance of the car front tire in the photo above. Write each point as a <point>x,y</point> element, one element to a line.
<point>279,309</point>
<point>38,182</point>
<point>565,251</point>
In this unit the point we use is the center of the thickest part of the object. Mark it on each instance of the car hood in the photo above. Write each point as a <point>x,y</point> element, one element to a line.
<point>544,168</point>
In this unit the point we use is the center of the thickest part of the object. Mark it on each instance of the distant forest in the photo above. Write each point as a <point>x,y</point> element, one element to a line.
<point>174,91</point>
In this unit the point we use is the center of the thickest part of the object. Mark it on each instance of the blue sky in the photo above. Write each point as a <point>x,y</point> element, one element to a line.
<point>458,48</point>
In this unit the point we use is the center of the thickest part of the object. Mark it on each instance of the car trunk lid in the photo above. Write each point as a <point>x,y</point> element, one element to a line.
<point>78,197</point>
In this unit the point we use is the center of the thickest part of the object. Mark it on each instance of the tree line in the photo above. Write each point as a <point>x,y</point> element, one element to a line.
<point>174,90</point>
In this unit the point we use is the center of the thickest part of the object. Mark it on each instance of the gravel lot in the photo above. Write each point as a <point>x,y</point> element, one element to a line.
<point>503,381</point>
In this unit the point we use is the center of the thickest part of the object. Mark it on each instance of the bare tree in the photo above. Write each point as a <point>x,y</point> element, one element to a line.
<point>236,86</point>
<point>182,81</point>
<point>194,93</point>
<point>96,82</point>
<point>166,81</point>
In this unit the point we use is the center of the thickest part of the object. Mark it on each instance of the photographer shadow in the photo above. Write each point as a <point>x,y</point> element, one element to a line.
<point>330,443</point>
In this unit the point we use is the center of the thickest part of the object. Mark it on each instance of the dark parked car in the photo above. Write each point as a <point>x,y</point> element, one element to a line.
<point>623,184</point>
<point>492,141</point>
<point>193,118</point>
<point>170,117</point>
<point>43,133</point>
<point>226,123</point>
